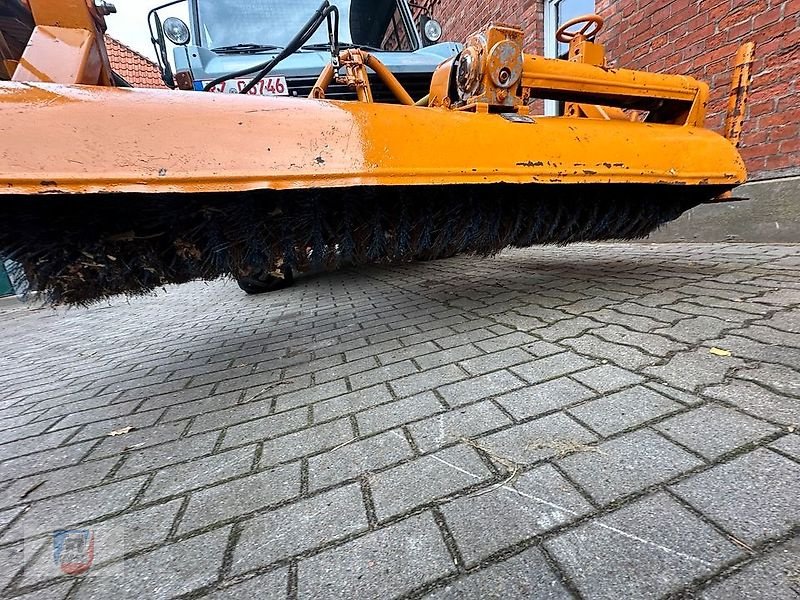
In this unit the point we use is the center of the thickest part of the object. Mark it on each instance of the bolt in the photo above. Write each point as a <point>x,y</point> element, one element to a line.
<point>105,8</point>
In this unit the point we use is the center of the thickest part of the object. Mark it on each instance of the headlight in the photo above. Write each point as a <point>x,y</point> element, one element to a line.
<point>176,31</point>
<point>433,31</point>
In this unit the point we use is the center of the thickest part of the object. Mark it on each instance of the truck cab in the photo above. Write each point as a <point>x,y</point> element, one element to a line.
<point>226,36</point>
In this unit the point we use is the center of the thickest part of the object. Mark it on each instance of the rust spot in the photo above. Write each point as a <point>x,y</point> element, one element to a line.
<point>589,172</point>
<point>48,183</point>
<point>319,160</point>
<point>530,163</point>
<point>162,172</point>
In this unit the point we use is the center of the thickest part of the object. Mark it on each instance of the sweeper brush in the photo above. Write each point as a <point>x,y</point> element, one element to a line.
<point>107,190</point>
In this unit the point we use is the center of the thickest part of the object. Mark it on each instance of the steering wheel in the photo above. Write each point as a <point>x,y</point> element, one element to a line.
<point>590,27</point>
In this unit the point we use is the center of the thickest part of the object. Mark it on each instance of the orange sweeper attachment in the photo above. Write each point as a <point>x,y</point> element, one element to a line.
<point>110,190</point>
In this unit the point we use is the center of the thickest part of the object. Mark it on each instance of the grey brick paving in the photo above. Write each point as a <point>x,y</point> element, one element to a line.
<point>541,398</point>
<point>539,500</point>
<point>300,434</point>
<point>478,388</point>
<point>526,575</point>
<point>298,527</point>
<point>463,422</point>
<point>434,476</point>
<point>627,464</point>
<point>241,496</point>
<point>352,460</point>
<point>775,576</point>
<point>165,573</point>
<point>622,410</point>
<point>644,550</point>
<point>753,496</point>
<point>713,430</point>
<point>270,586</point>
<point>383,564</point>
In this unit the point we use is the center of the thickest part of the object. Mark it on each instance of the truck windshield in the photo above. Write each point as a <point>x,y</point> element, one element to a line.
<point>376,23</point>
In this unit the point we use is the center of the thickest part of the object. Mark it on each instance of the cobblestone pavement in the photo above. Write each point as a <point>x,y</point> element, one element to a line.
<point>547,424</point>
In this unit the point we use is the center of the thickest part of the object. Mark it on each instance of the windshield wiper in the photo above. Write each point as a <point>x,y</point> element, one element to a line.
<point>327,46</point>
<point>246,49</point>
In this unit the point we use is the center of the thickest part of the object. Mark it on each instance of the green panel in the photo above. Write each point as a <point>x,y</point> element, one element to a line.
<point>5,284</point>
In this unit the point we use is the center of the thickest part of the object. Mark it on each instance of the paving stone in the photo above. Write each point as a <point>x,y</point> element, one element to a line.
<point>347,462</point>
<point>758,401</point>
<point>478,388</point>
<point>608,378</point>
<point>650,548</point>
<point>122,535</point>
<point>230,416</point>
<point>446,357</point>
<point>753,496</point>
<point>627,464</point>
<point>351,403</point>
<point>299,527</point>
<point>37,443</point>
<point>53,592</point>
<point>651,343</point>
<point>241,496</point>
<point>457,423</point>
<point>389,562</point>
<point>180,478</point>
<point>463,338</point>
<point>681,396</point>
<point>624,356</point>
<point>312,394</point>
<point>74,508</point>
<point>270,586</point>
<point>407,353</point>
<point>551,367</point>
<point>397,413</point>
<point>689,370</point>
<point>502,342</point>
<point>306,442</point>
<point>714,430</point>
<point>536,502</point>
<point>525,575</point>
<point>544,397</point>
<point>44,461</point>
<point>780,378</point>
<point>497,360</point>
<point>614,413</point>
<point>538,439</point>
<point>769,351</point>
<point>383,374</point>
<point>265,428</point>
<point>434,476</point>
<point>139,439</point>
<point>427,380</point>
<point>43,485</point>
<point>629,322</point>
<point>788,444</point>
<point>167,454</point>
<point>170,571</point>
<point>774,576</point>
<point>569,328</point>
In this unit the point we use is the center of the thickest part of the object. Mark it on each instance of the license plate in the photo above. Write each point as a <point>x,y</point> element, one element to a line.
<point>269,86</point>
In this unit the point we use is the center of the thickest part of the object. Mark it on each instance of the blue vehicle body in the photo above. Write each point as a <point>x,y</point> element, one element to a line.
<point>413,65</point>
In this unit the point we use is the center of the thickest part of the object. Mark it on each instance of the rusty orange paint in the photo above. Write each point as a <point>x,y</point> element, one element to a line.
<point>109,139</point>
<point>740,88</point>
<point>66,46</point>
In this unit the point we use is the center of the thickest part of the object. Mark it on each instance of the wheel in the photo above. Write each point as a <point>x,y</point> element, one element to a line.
<point>266,282</point>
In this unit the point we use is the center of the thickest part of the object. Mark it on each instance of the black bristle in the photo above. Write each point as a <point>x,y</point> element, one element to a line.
<point>77,250</point>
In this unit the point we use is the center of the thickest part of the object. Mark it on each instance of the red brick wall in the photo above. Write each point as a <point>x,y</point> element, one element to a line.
<point>689,37</point>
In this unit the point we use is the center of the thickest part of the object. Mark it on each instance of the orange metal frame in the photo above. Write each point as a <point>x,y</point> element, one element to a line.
<point>66,46</point>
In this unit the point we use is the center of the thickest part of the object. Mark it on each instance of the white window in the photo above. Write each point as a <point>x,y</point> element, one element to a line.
<point>556,13</point>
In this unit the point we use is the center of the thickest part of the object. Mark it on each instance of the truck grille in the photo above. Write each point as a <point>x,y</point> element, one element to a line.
<point>416,84</point>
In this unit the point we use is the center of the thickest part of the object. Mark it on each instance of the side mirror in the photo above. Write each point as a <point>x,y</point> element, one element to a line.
<point>431,30</point>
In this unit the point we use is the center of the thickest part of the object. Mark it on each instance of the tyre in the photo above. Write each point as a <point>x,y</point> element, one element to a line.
<point>266,282</point>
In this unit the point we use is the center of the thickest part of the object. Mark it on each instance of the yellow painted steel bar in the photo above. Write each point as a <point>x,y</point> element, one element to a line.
<point>123,140</point>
